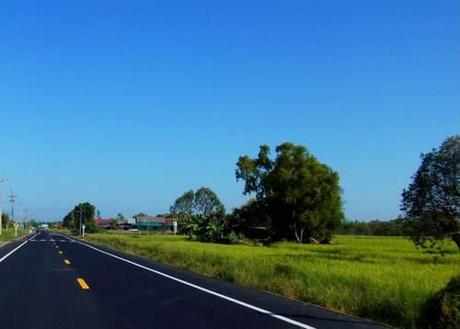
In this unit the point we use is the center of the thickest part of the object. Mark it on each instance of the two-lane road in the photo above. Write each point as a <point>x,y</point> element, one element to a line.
<point>52,281</point>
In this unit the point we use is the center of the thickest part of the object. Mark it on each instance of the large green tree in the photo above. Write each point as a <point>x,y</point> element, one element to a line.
<point>300,196</point>
<point>84,211</point>
<point>207,203</point>
<point>431,203</point>
<point>200,214</point>
<point>182,208</point>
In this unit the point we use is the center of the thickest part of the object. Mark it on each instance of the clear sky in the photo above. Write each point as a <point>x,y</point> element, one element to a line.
<point>127,104</point>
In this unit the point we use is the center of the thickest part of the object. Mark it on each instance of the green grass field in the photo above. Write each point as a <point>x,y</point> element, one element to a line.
<point>381,278</point>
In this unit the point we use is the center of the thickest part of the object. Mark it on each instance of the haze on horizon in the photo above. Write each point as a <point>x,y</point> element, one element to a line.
<point>128,105</point>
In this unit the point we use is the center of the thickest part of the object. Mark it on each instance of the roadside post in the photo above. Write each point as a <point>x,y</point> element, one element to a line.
<point>83,231</point>
<point>1,224</point>
<point>175,226</point>
<point>15,225</point>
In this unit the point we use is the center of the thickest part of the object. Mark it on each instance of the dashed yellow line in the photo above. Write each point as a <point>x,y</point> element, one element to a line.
<point>82,283</point>
<point>67,261</point>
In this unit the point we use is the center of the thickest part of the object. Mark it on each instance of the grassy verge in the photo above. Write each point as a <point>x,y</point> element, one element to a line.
<point>61,231</point>
<point>8,234</point>
<point>381,278</point>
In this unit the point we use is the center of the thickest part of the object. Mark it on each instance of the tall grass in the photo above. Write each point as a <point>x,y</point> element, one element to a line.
<point>381,278</point>
<point>8,234</point>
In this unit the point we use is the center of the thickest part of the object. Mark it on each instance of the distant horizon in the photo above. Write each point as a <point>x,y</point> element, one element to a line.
<point>128,105</point>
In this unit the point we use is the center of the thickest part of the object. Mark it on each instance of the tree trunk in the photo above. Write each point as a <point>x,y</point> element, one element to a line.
<point>299,235</point>
<point>296,235</point>
<point>456,238</point>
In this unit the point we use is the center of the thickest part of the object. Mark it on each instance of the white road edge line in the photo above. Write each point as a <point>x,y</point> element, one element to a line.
<point>66,238</point>
<point>230,299</point>
<point>12,251</point>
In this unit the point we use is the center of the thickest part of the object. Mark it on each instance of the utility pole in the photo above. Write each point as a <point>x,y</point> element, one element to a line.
<point>1,224</point>
<point>79,207</point>
<point>26,218</point>
<point>12,201</point>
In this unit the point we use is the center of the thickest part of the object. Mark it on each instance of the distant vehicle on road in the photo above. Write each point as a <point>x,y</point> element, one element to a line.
<point>42,228</point>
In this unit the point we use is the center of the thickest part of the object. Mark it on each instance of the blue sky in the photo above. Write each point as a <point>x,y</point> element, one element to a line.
<point>127,104</point>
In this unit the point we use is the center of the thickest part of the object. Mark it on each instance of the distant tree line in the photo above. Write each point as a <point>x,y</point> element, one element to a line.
<point>395,227</point>
<point>8,223</point>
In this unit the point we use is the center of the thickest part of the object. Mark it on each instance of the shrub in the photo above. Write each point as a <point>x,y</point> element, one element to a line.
<point>442,311</point>
<point>232,238</point>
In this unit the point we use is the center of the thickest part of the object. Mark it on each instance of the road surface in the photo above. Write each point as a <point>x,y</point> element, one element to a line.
<point>51,281</point>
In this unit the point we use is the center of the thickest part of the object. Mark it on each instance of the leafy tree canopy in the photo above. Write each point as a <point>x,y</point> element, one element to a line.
<point>200,214</point>
<point>85,211</point>
<point>301,197</point>
<point>183,206</point>
<point>202,202</point>
<point>207,203</point>
<point>431,203</point>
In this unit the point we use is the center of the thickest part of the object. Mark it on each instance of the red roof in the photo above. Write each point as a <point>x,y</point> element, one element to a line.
<point>100,221</point>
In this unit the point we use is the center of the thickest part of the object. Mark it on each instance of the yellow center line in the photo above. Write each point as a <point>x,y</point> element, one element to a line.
<point>82,283</point>
<point>67,261</point>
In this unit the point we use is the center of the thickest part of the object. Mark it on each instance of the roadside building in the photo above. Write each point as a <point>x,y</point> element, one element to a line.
<point>150,223</point>
<point>142,223</point>
<point>104,223</point>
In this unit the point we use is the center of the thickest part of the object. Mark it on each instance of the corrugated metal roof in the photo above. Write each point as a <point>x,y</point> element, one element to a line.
<point>150,219</point>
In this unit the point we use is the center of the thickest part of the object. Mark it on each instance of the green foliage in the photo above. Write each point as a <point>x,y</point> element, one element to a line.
<point>296,195</point>
<point>442,311</point>
<point>382,278</point>
<point>8,234</point>
<point>233,238</point>
<point>182,209</point>
<point>200,214</point>
<point>5,220</point>
<point>393,227</point>
<point>84,211</point>
<point>113,224</point>
<point>207,228</point>
<point>432,201</point>
<point>251,221</point>
<point>249,215</point>
<point>120,217</point>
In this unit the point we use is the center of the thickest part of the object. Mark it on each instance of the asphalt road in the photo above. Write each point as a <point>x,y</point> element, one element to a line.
<point>52,281</point>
